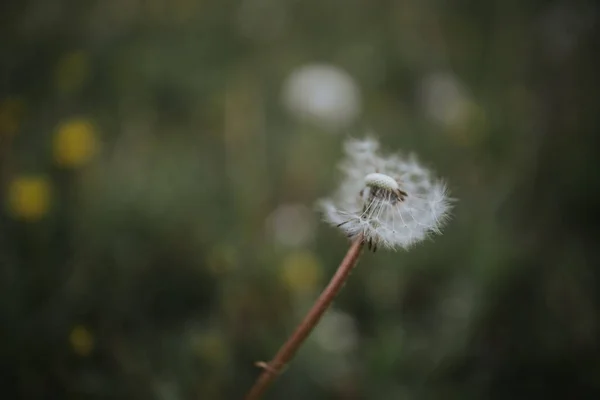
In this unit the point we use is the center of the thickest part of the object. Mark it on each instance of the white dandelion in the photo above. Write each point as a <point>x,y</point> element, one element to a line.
<point>389,200</point>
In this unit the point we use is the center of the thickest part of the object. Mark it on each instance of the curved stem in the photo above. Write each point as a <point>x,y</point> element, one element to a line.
<point>287,351</point>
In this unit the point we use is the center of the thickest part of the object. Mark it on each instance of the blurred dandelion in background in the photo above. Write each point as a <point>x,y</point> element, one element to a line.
<point>322,94</point>
<point>301,272</point>
<point>82,340</point>
<point>29,197</point>
<point>75,143</point>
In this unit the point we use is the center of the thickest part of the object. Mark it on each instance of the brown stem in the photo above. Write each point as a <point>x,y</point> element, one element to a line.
<point>287,351</point>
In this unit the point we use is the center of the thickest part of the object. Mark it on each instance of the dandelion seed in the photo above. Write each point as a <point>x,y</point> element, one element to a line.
<point>390,200</point>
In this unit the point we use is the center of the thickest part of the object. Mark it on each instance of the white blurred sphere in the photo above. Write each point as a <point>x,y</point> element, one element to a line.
<point>322,94</point>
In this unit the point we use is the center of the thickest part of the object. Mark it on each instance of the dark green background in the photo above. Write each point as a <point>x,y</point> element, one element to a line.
<point>160,248</point>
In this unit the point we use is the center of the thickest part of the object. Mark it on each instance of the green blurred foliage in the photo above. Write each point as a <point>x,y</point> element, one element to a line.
<point>158,233</point>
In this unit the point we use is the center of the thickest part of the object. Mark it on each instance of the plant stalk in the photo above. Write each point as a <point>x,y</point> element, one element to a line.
<point>287,351</point>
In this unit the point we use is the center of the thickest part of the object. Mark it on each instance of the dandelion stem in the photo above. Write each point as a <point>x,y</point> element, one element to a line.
<point>287,351</point>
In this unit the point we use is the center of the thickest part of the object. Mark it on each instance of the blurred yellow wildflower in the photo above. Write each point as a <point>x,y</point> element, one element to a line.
<point>71,72</point>
<point>301,272</point>
<point>75,142</point>
<point>28,197</point>
<point>81,340</point>
<point>11,111</point>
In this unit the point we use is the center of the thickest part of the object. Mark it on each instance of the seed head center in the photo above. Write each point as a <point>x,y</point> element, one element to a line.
<point>381,181</point>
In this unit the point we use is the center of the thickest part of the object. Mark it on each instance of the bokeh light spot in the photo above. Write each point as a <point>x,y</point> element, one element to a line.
<point>301,272</point>
<point>29,197</point>
<point>75,143</point>
<point>323,95</point>
<point>337,332</point>
<point>82,341</point>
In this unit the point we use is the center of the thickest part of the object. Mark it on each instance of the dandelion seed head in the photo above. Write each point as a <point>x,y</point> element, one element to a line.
<point>390,200</point>
<point>381,181</point>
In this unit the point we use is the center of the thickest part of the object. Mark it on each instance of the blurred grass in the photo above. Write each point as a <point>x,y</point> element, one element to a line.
<point>157,234</point>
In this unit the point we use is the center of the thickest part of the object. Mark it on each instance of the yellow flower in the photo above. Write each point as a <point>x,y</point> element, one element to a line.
<point>74,143</point>
<point>81,340</point>
<point>71,72</point>
<point>29,197</point>
<point>301,272</point>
